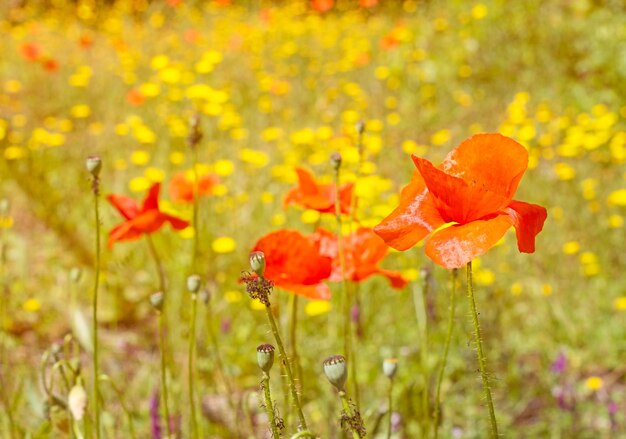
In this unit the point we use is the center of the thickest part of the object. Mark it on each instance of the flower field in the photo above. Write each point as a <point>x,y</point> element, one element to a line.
<point>325,218</point>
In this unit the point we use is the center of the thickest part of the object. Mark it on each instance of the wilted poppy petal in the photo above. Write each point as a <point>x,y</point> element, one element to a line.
<point>528,221</point>
<point>489,160</point>
<point>457,200</point>
<point>125,205</point>
<point>455,246</point>
<point>316,291</point>
<point>396,279</point>
<point>412,220</point>
<point>152,199</point>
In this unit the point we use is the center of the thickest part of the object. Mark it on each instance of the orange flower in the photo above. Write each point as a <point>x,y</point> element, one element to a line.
<point>321,197</point>
<point>363,251</point>
<point>471,192</point>
<point>50,64</point>
<point>135,97</point>
<point>181,189</point>
<point>294,263</point>
<point>322,5</point>
<point>368,3</point>
<point>140,220</point>
<point>30,51</point>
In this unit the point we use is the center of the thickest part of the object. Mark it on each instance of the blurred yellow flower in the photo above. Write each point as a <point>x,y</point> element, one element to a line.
<point>317,307</point>
<point>617,198</point>
<point>80,111</point>
<point>32,305</point>
<point>224,244</point>
<point>224,168</point>
<point>139,184</point>
<point>594,383</point>
<point>233,296</point>
<point>571,247</point>
<point>620,303</point>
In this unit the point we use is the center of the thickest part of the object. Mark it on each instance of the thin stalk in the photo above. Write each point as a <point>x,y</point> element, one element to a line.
<point>6,400</point>
<point>390,404</point>
<point>196,191</point>
<point>479,351</point>
<point>346,408</point>
<point>120,397</point>
<point>285,361</point>
<point>419,298</point>
<point>96,369</point>
<point>346,297</point>
<point>293,340</point>
<point>157,263</point>
<point>162,346</point>
<point>446,349</point>
<point>190,364</point>
<point>269,405</point>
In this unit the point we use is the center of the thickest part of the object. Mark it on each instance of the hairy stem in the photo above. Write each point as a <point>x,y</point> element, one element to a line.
<point>190,365</point>
<point>419,299</point>
<point>162,350</point>
<point>285,360</point>
<point>269,405</point>
<point>96,370</point>
<point>446,349</point>
<point>390,407</point>
<point>348,410</point>
<point>479,351</point>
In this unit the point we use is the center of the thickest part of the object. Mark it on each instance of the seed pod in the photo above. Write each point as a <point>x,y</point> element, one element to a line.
<point>335,160</point>
<point>390,367</point>
<point>193,283</point>
<point>265,357</point>
<point>257,263</point>
<point>336,371</point>
<point>77,401</point>
<point>156,300</point>
<point>94,165</point>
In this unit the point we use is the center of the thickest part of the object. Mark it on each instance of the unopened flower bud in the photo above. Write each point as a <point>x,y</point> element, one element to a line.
<point>257,263</point>
<point>77,401</point>
<point>336,371</point>
<point>94,165</point>
<point>360,127</point>
<point>335,160</point>
<point>75,274</point>
<point>204,296</point>
<point>193,283</point>
<point>156,300</point>
<point>265,357</point>
<point>390,367</point>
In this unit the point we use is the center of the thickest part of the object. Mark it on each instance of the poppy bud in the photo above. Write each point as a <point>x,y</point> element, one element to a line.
<point>390,367</point>
<point>75,274</point>
<point>360,127</point>
<point>257,263</point>
<point>156,300</point>
<point>204,296</point>
<point>77,401</point>
<point>193,283</point>
<point>265,357</point>
<point>335,160</point>
<point>94,165</point>
<point>336,371</point>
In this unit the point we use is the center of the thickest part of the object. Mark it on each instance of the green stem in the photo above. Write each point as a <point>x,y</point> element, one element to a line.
<point>293,337</point>
<point>196,191</point>
<point>164,372</point>
<point>419,298</point>
<point>157,263</point>
<point>190,365</point>
<point>444,360</point>
<point>120,397</point>
<point>285,360</point>
<point>96,370</point>
<point>390,409</point>
<point>479,351</point>
<point>269,406</point>
<point>346,408</point>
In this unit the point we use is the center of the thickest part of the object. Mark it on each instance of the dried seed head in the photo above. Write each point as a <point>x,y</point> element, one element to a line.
<point>336,371</point>
<point>193,283</point>
<point>77,401</point>
<point>257,263</point>
<point>94,165</point>
<point>335,160</point>
<point>390,367</point>
<point>265,357</point>
<point>156,300</point>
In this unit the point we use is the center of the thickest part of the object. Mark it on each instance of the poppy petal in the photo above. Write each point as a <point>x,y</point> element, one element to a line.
<point>316,292</point>
<point>125,205</point>
<point>528,221</point>
<point>177,223</point>
<point>395,278</point>
<point>412,220</point>
<point>455,246</point>
<point>152,199</point>
<point>456,200</point>
<point>123,232</point>
<point>489,160</point>
<point>180,189</point>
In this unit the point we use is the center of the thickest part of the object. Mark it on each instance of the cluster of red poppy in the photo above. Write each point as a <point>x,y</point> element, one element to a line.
<point>465,204</point>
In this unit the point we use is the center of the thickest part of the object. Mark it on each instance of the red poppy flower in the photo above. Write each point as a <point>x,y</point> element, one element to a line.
<point>294,263</point>
<point>181,189</point>
<point>30,51</point>
<point>368,3</point>
<point>140,220</point>
<point>322,5</point>
<point>472,192</point>
<point>135,97</point>
<point>50,64</point>
<point>321,197</point>
<point>363,251</point>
